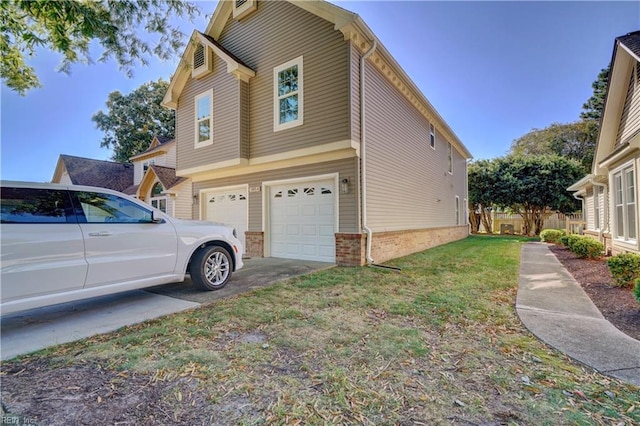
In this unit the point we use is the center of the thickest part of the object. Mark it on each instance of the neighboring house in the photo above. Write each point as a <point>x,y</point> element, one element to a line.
<point>298,127</point>
<point>610,191</point>
<point>72,170</point>
<point>150,177</point>
<point>155,181</point>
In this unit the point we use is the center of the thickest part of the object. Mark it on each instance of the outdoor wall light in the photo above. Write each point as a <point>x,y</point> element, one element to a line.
<point>195,199</point>
<point>344,186</point>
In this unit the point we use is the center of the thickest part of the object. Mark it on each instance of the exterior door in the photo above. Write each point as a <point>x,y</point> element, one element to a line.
<point>228,206</point>
<point>302,220</point>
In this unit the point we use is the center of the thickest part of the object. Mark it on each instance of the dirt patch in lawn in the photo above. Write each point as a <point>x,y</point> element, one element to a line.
<point>617,304</point>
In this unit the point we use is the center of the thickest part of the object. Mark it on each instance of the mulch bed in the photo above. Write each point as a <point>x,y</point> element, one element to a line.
<point>617,304</point>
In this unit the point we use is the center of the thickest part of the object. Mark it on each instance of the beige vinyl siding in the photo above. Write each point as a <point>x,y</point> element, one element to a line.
<point>169,159</point>
<point>346,168</point>
<point>226,122</point>
<point>244,119</point>
<point>589,209</point>
<point>184,201</point>
<point>408,184</point>
<point>630,119</point>
<point>277,33</point>
<point>354,85</point>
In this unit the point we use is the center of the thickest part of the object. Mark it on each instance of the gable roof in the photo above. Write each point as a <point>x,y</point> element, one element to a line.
<point>234,66</point>
<point>167,176</point>
<point>353,29</point>
<point>626,52</point>
<point>158,144</point>
<point>90,172</point>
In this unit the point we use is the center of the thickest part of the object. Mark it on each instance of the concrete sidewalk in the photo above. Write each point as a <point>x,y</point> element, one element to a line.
<point>553,306</point>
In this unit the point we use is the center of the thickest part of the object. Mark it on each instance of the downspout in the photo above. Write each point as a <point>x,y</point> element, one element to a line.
<point>579,197</point>
<point>363,151</point>
<point>606,205</point>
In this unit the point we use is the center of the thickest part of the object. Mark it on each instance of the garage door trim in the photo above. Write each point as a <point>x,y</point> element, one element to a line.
<point>202,197</point>
<point>266,205</point>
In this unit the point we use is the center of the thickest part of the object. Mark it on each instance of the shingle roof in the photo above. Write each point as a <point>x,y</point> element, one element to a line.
<point>162,141</point>
<point>101,173</point>
<point>167,176</point>
<point>631,42</point>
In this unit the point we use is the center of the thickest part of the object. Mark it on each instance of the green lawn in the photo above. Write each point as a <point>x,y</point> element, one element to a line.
<point>437,343</point>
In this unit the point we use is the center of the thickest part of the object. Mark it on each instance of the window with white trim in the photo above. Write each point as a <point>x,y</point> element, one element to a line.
<point>204,119</point>
<point>624,188</point>
<point>288,102</point>
<point>432,136</point>
<point>449,158</point>
<point>158,200</point>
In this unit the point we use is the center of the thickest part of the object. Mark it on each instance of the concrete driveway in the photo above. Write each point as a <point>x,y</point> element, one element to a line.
<point>28,331</point>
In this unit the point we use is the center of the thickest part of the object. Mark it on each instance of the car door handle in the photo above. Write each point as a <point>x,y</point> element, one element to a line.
<point>100,234</point>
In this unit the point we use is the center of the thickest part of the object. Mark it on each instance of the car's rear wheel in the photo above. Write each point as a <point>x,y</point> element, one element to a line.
<point>211,268</point>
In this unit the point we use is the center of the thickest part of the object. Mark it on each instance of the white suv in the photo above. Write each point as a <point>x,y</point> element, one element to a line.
<point>63,243</point>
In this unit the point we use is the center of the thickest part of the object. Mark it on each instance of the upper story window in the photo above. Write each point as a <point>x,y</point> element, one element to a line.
<point>242,8</point>
<point>624,188</point>
<point>288,102</point>
<point>432,136</point>
<point>596,207</point>
<point>204,119</point>
<point>450,158</point>
<point>147,164</point>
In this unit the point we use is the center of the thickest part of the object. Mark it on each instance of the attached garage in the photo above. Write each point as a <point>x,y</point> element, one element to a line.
<point>302,219</point>
<point>228,206</point>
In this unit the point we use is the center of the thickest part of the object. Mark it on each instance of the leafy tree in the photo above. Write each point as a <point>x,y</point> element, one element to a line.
<point>132,120</point>
<point>592,109</point>
<point>534,186</point>
<point>483,181</point>
<point>69,27</point>
<point>575,140</point>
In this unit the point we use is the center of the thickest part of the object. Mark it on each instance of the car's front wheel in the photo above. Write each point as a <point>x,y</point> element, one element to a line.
<point>211,268</point>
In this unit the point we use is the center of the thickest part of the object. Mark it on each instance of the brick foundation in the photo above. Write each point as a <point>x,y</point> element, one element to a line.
<point>351,248</point>
<point>255,243</point>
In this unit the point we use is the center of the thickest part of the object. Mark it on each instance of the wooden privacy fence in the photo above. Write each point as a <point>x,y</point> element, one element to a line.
<point>507,223</point>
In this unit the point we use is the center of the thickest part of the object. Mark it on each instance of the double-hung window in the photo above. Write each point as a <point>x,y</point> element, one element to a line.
<point>204,119</point>
<point>624,188</point>
<point>596,207</point>
<point>288,102</point>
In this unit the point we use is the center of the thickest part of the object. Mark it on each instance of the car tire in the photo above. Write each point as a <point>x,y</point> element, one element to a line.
<point>211,268</point>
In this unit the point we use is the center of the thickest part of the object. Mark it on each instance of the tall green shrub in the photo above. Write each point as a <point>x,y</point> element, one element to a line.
<point>572,240</point>
<point>636,290</point>
<point>624,268</point>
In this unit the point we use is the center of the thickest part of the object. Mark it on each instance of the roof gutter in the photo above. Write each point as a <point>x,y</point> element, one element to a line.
<point>363,151</point>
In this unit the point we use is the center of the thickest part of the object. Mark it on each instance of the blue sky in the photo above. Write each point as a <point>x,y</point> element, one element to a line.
<point>493,70</point>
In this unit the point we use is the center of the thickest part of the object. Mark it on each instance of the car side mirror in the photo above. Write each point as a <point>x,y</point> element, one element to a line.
<point>155,219</point>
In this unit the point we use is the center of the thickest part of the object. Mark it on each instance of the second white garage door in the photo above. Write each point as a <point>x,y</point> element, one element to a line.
<point>228,206</point>
<point>302,217</point>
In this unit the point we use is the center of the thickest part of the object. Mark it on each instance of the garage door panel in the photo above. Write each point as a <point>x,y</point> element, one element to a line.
<point>228,206</point>
<point>306,210</point>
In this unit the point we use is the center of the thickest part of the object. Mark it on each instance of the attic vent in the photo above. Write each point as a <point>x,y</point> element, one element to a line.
<point>242,8</point>
<point>198,57</point>
<point>202,62</point>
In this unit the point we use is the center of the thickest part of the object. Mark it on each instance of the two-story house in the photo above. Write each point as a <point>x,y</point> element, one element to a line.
<point>151,177</point>
<point>155,180</point>
<point>297,126</point>
<point>610,191</point>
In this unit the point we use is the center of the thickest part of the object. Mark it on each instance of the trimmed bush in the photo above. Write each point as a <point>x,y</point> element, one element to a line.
<point>572,240</point>
<point>624,268</point>
<point>552,235</point>
<point>587,247</point>
<point>564,240</point>
<point>636,290</point>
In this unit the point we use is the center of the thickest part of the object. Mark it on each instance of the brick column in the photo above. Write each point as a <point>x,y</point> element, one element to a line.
<point>255,243</point>
<point>350,249</point>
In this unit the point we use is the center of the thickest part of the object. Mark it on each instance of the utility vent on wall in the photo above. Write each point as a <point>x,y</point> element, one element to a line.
<point>242,8</point>
<point>202,63</point>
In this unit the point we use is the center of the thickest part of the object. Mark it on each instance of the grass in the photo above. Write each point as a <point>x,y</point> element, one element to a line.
<point>438,342</point>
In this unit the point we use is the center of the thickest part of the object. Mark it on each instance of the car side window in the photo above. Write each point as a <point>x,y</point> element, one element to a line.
<point>33,205</point>
<point>108,208</point>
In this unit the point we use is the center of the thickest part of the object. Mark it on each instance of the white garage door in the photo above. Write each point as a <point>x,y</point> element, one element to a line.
<point>303,220</point>
<point>228,206</point>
